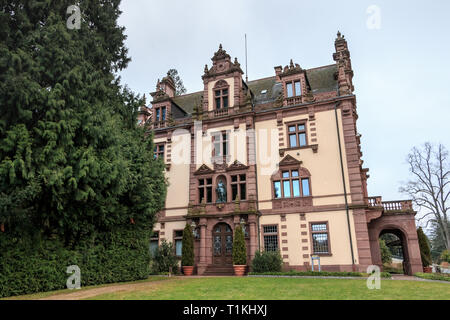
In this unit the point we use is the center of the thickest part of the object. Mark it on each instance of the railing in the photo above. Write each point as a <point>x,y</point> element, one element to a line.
<point>374,201</point>
<point>159,124</point>
<point>293,100</point>
<point>221,112</point>
<point>397,205</point>
<point>389,206</point>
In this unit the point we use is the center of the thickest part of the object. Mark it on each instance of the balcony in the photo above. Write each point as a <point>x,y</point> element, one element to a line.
<point>159,124</point>
<point>292,101</point>
<point>390,206</point>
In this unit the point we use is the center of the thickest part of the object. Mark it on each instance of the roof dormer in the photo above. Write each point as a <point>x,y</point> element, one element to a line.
<point>223,88</point>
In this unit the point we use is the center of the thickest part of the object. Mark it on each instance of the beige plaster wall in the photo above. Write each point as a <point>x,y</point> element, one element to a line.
<point>324,166</point>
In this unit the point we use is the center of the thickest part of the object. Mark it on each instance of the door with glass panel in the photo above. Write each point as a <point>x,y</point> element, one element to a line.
<point>222,236</point>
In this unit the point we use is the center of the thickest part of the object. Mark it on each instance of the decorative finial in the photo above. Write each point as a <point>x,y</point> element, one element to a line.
<point>291,64</point>
<point>339,34</point>
<point>220,46</point>
<point>206,68</point>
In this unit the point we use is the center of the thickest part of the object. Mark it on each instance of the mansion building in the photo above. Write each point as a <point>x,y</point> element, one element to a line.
<point>280,156</point>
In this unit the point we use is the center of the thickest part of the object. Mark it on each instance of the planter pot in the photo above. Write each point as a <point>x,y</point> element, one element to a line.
<point>427,269</point>
<point>188,270</point>
<point>239,270</point>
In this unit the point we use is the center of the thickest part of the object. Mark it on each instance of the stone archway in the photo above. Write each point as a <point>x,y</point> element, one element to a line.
<point>404,227</point>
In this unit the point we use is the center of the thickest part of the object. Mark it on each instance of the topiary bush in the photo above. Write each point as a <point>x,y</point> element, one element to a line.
<point>164,259</point>
<point>267,261</point>
<point>386,255</point>
<point>425,250</point>
<point>187,250</point>
<point>239,247</point>
<point>445,256</point>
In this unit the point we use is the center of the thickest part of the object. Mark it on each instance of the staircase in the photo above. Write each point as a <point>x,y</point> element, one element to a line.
<point>214,270</point>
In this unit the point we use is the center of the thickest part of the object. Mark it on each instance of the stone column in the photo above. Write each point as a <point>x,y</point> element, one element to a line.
<point>202,261</point>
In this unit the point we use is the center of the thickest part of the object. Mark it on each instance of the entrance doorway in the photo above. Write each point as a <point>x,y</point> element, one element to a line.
<point>222,235</point>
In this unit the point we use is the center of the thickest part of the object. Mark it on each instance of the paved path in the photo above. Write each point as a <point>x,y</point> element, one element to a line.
<point>89,293</point>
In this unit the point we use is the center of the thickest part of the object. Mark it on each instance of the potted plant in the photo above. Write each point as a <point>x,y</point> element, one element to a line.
<point>187,251</point>
<point>239,252</point>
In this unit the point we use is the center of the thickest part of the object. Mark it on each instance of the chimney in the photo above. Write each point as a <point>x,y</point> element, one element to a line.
<point>168,86</point>
<point>278,71</point>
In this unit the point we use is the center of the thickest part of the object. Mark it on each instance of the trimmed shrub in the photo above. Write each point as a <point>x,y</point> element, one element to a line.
<point>386,255</point>
<point>445,256</point>
<point>164,259</point>
<point>239,248</point>
<point>433,276</point>
<point>425,250</point>
<point>267,261</point>
<point>317,274</point>
<point>187,250</point>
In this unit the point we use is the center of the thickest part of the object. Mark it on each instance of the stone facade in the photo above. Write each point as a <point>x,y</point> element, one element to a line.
<point>287,150</point>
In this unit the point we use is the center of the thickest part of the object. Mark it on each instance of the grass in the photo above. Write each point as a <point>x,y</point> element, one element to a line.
<point>252,288</point>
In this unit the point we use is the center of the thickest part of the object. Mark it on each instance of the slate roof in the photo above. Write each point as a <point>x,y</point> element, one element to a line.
<point>321,79</point>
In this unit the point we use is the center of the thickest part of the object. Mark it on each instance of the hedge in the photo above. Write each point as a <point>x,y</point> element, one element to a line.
<point>433,276</point>
<point>39,265</point>
<point>317,274</point>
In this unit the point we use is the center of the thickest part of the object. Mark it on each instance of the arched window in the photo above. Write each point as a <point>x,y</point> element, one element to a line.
<point>291,182</point>
<point>221,93</point>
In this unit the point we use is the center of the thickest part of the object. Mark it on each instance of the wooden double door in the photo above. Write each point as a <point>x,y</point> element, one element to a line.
<point>222,236</point>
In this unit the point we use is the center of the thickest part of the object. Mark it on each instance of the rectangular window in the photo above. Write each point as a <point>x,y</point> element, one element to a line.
<point>178,241</point>
<point>163,113</point>
<point>297,135</point>
<point>154,242</point>
<point>298,90</point>
<point>277,188</point>
<point>158,111</point>
<point>270,235</point>
<point>289,90</point>
<point>205,190</point>
<point>221,99</point>
<point>305,188</point>
<point>287,189</point>
<point>296,188</point>
<point>220,144</point>
<point>158,151</point>
<point>320,238</point>
<point>238,187</point>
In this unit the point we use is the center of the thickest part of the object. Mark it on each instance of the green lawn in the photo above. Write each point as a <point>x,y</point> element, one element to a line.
<point>232,288</point>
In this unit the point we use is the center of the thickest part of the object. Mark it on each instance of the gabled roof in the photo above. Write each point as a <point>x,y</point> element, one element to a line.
<point>322,79</point>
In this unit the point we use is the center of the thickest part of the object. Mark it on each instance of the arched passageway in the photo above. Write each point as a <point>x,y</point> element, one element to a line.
<point>403,227</point>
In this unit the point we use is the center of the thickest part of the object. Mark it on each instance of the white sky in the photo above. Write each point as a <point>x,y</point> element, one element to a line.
<point>402,69</point>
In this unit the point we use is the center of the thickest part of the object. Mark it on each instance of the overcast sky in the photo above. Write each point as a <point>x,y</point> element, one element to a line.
<point>400,60</point>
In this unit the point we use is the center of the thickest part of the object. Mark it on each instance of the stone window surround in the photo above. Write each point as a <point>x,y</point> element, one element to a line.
<point>311,223</point>
<point>288,140</point>
<point>270,234</point>
<point>303,173</point>
<point>220,86</point>
<point>175,239</point>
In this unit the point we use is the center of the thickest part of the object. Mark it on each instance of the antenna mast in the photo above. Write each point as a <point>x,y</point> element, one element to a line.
<point>246,71</point>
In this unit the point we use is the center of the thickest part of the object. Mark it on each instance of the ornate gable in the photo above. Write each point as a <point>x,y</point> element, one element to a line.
<point>289,161</point>
<point>222,64</point>
<point>204,169</point>
<point>236,165</point>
